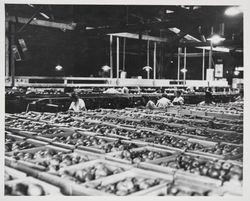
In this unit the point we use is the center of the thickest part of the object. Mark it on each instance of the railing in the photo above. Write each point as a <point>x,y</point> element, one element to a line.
<point>36,81</point>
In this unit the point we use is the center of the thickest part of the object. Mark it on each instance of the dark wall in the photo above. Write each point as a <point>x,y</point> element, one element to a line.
<point>82,55</point>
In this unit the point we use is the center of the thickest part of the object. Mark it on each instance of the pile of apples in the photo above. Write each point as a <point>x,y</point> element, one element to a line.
<point>80,140</point>
<point>117,145</point>
<point>11,145</point>
<point>97,171</point>
<point>51,159</point>
<point>128,186</point>
<point>139,156</point>
<point>222,170</point>
<point>224,149</point>
<point>176,142</point>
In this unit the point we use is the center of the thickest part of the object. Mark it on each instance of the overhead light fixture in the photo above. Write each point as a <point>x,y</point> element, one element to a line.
<point>239,68</point>
<point>169,11</point>
<point>106,68</point>
<point>215,39</point>
<point>175,30</point>
<point>232,11</point>
<point>236,72</point>
<point>30,5</point>
<point>217,49</point>
<point>184,70</point>
<point>58,67</point>
<point>147,68</point>
<point>44,15</point>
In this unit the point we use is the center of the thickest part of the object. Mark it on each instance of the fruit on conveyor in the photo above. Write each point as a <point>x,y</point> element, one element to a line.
<point>22,189</point>
<point>128,186</point>
<point>97,171</point>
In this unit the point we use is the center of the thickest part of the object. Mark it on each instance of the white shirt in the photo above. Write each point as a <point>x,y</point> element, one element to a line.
<point>77,106</point>
<point>163,103</point>
<point>111,91</point>
<point>178,100</point>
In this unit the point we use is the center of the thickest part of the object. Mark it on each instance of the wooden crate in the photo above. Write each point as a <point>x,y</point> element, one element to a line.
<point>97,148</point>
<point>112,155</point>
<point>14,137</point>
<point>187,188</point>
<point>15,174</point>
<point>36,143</point>
<point>49,189</point>
<point>135,172</point>
<point>72,146</point>
<point>31,162</point>
<point>72,188</point>
<point>178,173</point>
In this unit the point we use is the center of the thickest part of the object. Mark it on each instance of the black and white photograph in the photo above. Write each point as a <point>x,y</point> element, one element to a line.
<point>123,99</point>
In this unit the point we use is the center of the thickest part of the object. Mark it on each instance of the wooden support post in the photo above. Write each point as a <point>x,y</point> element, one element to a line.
<point>117,58</point>
<point>111,56</point>
<point>154,66</point>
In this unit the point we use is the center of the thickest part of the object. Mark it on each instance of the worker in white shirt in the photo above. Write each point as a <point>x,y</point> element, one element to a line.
<point>111,91</point>
<point>178,100</point>
<point>151,105</point>
<point>163,103</point>
<point>77,103</point>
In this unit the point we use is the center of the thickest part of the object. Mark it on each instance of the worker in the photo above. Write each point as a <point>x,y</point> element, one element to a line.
<point>125,90</point>
<point>111,91</point>
<point>151,105</point>
<point>178,100</point>
<point>240,97</point>
<point>163,102</point>
<point>208,97</point>
<point>77,103</point>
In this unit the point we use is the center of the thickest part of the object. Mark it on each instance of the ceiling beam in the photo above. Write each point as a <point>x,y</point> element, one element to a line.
<point>223,43</point>
<point>136,36</point>
<point>43,23</point>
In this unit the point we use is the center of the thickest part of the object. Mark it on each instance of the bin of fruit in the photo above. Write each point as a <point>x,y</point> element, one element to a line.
<point>137,155</point>
<point>16,146</point>
<point>133,182</point>
<point>225,150</point>
<point>29,186</point>
<point>12,174</point>
<point>39,158</point>
<point>77,140</point>
<point>77,175</point>
<point>192,165</point>
<point>177,188</point>
<point>95,143</point>
<point>118,145</point>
